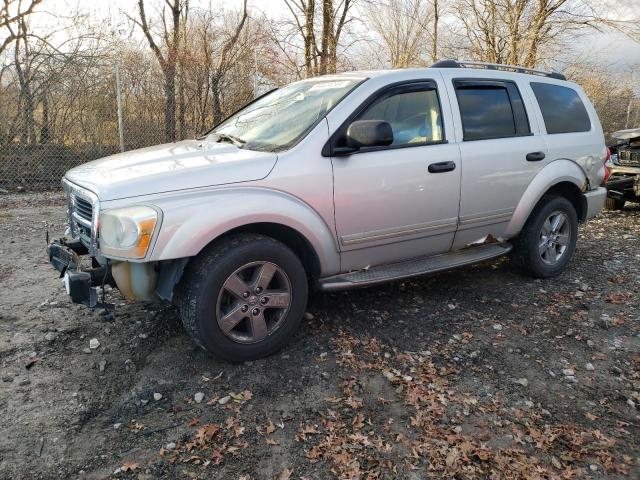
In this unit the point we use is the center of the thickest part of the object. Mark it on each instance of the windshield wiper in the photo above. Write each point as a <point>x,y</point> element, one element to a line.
<point>225,137</point>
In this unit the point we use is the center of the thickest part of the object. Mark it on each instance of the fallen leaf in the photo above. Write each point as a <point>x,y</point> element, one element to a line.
<point>285,474</point>
<point>270,427</point>
<point>135,426</point>
<point>129,466</point>
<point>452,457</point>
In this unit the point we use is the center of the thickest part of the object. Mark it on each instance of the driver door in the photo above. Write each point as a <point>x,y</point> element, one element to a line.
<point>399,201</point>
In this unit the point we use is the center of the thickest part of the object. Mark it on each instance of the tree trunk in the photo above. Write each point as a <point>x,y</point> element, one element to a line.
<point>170,106</point>
<point>44,129</point>
<point>309,39</point>
<point>216,106</point>
<point>434,43</point>
<point>327,31</point>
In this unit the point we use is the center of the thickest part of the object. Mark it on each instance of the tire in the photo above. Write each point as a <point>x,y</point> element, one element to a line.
<point>212,294</point>
<point>537,259</point>
<point>614,203</point>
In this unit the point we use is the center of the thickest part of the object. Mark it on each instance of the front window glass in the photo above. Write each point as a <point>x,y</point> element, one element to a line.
<point>282,117</point>
<point>414,116</point>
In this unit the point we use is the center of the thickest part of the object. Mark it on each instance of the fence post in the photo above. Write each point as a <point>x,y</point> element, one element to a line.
<point>119,102</point>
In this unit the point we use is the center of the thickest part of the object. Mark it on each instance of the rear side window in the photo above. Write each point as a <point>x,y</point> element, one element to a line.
<point>562,109</point>
<point>491,109</point>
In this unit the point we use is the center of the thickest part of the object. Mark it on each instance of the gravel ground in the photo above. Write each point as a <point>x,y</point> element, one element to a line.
<point>479,372</point>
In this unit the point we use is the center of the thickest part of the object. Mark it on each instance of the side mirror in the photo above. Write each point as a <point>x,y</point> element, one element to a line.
<point>367,133</point>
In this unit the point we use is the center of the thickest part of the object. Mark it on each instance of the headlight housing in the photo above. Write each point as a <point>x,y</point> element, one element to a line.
<point>127,232</point>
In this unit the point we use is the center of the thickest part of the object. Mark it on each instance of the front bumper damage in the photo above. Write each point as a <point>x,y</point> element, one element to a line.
<point>147,281</point>
<point>82,284</point>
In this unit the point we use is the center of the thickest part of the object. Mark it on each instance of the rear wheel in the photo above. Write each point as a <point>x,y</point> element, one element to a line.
<point>614,203</point>
<point>548,239</point>
<point>244,297</point>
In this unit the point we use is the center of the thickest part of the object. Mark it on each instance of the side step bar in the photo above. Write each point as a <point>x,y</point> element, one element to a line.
<point>414,267</point>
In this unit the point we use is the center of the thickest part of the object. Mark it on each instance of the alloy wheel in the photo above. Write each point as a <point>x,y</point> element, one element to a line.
<point>253,302</point>
<point>555,236</point>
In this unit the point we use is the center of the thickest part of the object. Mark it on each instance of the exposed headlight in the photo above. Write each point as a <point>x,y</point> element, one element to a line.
<point>127,232</point>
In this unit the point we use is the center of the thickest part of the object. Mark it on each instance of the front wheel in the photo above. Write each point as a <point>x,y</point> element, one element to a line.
<point>243,298</point>
<point>548,239</point>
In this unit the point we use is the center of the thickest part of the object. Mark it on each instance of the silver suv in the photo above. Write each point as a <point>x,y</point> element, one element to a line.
<point>337,182</point>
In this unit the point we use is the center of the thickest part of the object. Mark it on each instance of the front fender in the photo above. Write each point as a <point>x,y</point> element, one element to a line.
<point>556,172</point>
<point>192,220</point>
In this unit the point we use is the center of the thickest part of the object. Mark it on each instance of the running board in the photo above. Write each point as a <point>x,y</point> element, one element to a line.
<point>414,267</point>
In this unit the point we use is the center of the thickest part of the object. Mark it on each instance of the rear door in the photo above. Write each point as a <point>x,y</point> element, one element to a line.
<point>501,150</point>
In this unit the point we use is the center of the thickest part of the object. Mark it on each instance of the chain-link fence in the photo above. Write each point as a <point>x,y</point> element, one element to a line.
<point>41,138</point>
<point>58,125</point>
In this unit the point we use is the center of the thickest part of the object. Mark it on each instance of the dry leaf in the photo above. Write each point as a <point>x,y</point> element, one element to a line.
<point>270,427</point>
<point>285,474</point>
<point>129,466</point>
<point>135,426</point>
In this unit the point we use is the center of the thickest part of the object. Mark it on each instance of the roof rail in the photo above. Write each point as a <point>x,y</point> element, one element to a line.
<point>496,66</point>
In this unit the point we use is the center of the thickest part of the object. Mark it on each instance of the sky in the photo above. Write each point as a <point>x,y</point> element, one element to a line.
<point>610,48</point>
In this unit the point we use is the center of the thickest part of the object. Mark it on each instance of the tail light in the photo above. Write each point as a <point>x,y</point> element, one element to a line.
<point>607,168</point>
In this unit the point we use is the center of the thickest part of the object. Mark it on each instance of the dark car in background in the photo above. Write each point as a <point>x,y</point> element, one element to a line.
<point>623,168</point>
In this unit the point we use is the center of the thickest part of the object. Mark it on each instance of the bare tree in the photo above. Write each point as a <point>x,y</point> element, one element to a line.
<point>320,57</point>
<point>517,31</point>
<point>168,59</point>
<point>404,27</point>
<point>225,60</point>
<point>12,13</point>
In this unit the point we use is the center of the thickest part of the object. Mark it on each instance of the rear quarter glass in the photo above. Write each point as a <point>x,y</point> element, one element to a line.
<point>562,108</point>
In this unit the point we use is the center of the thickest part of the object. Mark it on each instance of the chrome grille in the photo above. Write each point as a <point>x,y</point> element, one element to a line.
<point>629,157</point>
<point>82,210</point>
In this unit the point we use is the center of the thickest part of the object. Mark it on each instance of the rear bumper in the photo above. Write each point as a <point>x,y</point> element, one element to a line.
<point>81,283</point>
<point>595,201</point>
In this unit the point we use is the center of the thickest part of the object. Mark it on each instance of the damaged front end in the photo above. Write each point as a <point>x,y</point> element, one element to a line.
<point>86,271</point>
<point>82,283</point>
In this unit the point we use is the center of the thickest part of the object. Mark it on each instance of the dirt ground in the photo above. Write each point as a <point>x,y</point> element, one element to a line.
<point>480,372</point>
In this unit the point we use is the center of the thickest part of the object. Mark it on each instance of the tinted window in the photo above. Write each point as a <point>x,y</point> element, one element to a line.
<point>414,116</point>
<point>562,109</point>
<point>491,110</point>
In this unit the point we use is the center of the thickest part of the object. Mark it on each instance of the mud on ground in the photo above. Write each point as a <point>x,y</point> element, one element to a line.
<point>477,372</point>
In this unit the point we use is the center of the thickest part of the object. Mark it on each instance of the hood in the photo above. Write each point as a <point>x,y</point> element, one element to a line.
<point>170,167</point>
<point>630,134</point>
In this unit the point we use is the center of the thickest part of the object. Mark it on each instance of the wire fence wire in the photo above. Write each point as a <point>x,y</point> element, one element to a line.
<point>39,143</point>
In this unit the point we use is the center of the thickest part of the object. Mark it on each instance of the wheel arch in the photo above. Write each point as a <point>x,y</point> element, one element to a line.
<point>293,239</point>
<point>561,177</point>
<point>191,224</point>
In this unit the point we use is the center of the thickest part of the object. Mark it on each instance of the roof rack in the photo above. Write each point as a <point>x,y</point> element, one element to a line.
<point>496,66</point>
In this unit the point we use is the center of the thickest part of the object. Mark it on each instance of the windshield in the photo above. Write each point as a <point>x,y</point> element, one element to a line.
<point>279,119</point>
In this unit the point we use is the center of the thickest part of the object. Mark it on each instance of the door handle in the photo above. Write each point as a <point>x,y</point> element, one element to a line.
<point>535,156</point>
<point>441,167</point>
